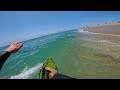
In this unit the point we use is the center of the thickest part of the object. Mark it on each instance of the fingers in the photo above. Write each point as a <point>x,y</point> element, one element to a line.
<point>15,47</point>
<point>18,45</point>
<point>49,69</point>
<point>15,43</point>
<point>52,71</point>
<point>21,44</point>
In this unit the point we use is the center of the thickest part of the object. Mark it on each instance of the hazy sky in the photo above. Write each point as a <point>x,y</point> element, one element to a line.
<point>19,25</point>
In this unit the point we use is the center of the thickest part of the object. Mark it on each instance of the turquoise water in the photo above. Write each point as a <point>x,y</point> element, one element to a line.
<point>27,62</point>
<point>77,54</point>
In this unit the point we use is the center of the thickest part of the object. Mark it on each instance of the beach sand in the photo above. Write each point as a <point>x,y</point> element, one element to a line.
<point>113,28</point>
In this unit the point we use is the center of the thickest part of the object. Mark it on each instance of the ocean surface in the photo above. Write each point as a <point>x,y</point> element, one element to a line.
<point>78,54</point>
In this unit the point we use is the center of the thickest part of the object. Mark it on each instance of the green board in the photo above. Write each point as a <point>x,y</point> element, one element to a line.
<point>43,74</point>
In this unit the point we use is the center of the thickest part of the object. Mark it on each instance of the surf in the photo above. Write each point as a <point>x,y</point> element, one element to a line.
<point>27,72</point>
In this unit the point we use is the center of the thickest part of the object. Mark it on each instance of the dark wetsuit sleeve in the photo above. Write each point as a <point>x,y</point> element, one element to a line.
<point>60,76</point>
<point>3,57</point>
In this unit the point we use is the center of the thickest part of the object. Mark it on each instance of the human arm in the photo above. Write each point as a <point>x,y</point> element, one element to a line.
<point>13,48</point>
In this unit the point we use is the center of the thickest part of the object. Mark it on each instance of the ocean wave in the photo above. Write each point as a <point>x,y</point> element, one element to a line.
<point>27,72</point>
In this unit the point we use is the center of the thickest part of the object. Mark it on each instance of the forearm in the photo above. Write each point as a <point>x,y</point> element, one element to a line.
<point>3,57</point>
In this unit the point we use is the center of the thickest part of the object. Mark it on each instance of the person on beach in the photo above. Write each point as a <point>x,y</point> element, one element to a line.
<point>15,47</point>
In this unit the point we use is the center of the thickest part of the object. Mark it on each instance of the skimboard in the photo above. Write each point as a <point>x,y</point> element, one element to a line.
<point>43,74</point>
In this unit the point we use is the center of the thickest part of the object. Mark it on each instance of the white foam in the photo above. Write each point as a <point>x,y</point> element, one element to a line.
<point>81,30</point>
<point>107,41</point>
<point>26,73</point>
<point>104,41</point>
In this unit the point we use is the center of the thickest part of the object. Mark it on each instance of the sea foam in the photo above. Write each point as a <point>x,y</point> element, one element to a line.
<point>26,73</point>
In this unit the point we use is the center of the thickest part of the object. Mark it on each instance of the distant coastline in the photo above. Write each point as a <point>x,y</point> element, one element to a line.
<point>112,28</point>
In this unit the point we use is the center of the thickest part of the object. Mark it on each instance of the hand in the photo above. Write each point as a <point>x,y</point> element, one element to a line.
<point>13,48</point>
<point>52,71</point>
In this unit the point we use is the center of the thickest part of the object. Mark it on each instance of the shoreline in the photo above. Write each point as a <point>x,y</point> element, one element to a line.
<point>112,29</point>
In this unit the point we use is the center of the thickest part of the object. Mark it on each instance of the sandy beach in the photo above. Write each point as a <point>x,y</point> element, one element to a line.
<point>113,28</point>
